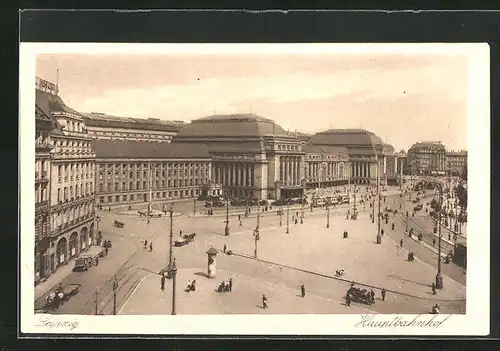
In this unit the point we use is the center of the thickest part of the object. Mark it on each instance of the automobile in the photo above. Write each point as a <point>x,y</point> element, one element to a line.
<point>83,263</point>
<point>181,242</point>
<point>417,208</point>
<point>155,214</point>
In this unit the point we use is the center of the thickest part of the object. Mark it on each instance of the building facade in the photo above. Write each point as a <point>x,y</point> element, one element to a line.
<point>43,146</point>
<point>427,158</point>
<point>252,157</point>
<point>456,162</point>
<point>71,179</point>
<point>365,149</point>
<point>138,172</point>
<point>102,126</point>
<point>326,166</point>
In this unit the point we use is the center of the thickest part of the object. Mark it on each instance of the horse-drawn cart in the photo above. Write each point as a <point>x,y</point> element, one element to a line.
<point>360,295</point>
<point>53,300</point>
<point>119,224</point>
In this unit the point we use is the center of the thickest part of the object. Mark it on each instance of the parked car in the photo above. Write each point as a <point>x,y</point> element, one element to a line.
<point>181,242</point>
<point>83,263</point>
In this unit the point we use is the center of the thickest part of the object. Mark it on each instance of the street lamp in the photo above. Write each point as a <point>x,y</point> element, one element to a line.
<point>256,235</point>
<point>226,229</point>
<point>327,216</point>
<point>194,207</point>
<point>258,214</point>
<point>170,255</point>
<point>287,217</point>
<point>172,271</point>
<point>281,214</point>
<point>115,287</point>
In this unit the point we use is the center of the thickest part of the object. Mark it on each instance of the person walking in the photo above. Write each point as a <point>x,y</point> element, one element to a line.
<point>162,281</point>
<point>383,292</point>
<point>401,243</point>
<point>392,226</point>
<point>106,250</point>
<point>150,246</point>
<point>145,244</point>
<point>348,299</point>
<point>303,290</point>
<point>230,284</point>
<point>264,301</point>
<point>97,261</point>
<point>433,288</point>
<point>224,248</point>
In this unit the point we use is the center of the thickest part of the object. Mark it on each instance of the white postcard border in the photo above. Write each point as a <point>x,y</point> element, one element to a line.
<point>476,320</point>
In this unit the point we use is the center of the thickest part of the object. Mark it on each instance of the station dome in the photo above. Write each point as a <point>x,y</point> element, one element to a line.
<point>231,125</point>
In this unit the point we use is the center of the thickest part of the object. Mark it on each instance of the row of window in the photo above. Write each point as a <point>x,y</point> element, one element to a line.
<point>135,135</point>
<point>108,187</point>
<point>75,171</point>
<point>72,145</point>
<point>41,193</point>
<point>69,193</point>
<point>147,166</point>
<point>72,215</point>
<point>75,126</point>
<point>157,174</point>
<point>145,196</point>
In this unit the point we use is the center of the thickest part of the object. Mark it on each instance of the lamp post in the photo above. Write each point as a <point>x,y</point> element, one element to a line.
<point>194,207</point>
<point>258,215</point>
<point>287,217</point>
<point>172,271</point>
<point>115,287</point>
<point>150,185</point>
<point>373,211</point>
<point>439,277</point>
<point>281,214</point>
<point>226,229</point>
<point>96,300</point>
<point>302,211</point>
<point>379,237</point>
<point>327,216</point>
<point>256,235</point>
<point>170,253</point>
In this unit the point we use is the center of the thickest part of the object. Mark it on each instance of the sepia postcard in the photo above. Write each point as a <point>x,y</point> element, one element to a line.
<point>254,189</point>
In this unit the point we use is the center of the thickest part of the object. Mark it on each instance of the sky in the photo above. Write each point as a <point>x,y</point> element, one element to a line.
<point>401,98</point>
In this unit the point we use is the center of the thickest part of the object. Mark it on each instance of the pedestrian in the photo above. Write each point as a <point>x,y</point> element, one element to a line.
<point>393,226</point>
<point>224,248</point>
<point>145,244</point>
<point>348,299</point>
<point>106,250</point>
<point>150,246</point>
<point>239,218</point>
<point>230,284</point>
<point>383,292</point>
<point>295,220</point>
<point>180,232</point>
<point>433,288</point>
<point>303,290</point>
<point>193,286</point>
<point>401,243</point>
<point>382,232</point>
<point>433,242</point>
<point>241,223</point>
<point>264,301</point>
<point>97,261</point>
<point>163,282</point>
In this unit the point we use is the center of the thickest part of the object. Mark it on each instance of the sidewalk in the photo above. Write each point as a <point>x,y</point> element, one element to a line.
<point>54,280</point>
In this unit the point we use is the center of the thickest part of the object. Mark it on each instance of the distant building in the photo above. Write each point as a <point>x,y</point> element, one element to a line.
<point>402,167</point>
<point>71,179</point>
<point>139,172</point>
<point>252,157</point>
<point>365,149</point>
<point>102,126</point>
<point>326,166</point>
<point>456,162</point>
<point>427,158</point>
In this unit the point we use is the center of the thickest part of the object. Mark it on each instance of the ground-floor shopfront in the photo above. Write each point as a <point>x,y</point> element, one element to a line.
<point>63,247</point>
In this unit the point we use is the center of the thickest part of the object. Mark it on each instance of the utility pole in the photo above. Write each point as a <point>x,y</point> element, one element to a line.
<point>302,211</point>
<point>379,237</point>
<point>327,216</point>
<point>226,229</point>
<point>115,287</point>
<point>439,277</point>
<point>96,297</point>
<point>173,272</point>
<point>287,217</point>
<point>281,214</point>
<point>170,254</point>
<point>256,235</point>
<point>258,215</point>
<point>194,208</point>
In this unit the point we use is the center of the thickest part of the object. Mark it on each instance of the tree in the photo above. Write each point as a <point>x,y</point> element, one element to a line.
<point>461,194</point>
<point>464,173</point>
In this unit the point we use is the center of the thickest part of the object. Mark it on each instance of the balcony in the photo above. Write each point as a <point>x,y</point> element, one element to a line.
<point>42,145</point>
<point>42,205</point>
